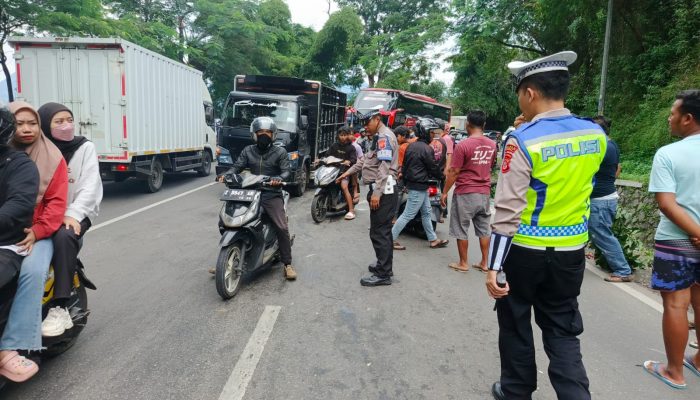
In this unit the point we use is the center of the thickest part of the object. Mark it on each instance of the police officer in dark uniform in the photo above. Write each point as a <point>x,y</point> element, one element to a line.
<point>379,169</point>
<point>540,229</point>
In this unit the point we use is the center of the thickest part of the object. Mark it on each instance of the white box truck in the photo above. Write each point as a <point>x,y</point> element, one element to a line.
<point>145,113</point>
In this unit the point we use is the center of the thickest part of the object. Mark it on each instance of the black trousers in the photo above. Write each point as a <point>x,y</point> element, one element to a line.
<point>444,209</point>
<point>399,190</point>
<point>380,232</point>
<point>66,245</point>
<point>10,263</point>
<point>547,281</point>
<point>273,205</point>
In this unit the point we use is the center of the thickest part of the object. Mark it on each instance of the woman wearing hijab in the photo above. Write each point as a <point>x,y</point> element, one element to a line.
<point>84,197</point>
<point>22,331</point>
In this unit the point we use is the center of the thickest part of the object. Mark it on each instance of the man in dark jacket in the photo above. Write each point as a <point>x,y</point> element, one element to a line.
<point>19,185</point>
<point>419,167</point>
<point>264,158</point>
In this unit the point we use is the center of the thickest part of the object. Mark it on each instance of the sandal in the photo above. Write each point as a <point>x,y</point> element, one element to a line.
<point>688,362</point>
<point>694,345</point>
<point>17,368</point>
<point>480,268</point>
<point>456,267</point>
<point>440,244</point>
<point>619,279</point>
<point>397,246</point>
<point>655,371</point>
<point>349,216</point>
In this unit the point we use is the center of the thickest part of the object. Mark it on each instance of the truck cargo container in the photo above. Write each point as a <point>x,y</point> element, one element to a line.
<point>307,114</point>
<point>146,114</point>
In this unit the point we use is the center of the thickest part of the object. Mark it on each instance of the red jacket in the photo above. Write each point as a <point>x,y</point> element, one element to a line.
<point>48,214</point>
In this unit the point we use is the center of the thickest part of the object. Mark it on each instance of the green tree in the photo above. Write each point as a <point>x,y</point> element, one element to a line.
<point>336,49</point>
<point>395,30</point>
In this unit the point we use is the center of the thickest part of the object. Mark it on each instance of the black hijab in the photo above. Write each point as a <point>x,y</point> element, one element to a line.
<point>46,113</point>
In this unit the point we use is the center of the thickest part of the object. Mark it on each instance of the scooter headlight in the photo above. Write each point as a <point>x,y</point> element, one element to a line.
<point>326,175</point>
<point>235,214</point>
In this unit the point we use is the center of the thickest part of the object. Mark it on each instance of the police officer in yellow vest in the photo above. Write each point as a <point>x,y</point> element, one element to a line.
<point>540,228</point>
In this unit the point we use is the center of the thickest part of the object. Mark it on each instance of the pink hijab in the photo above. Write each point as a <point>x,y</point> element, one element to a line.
<point>45,154</point>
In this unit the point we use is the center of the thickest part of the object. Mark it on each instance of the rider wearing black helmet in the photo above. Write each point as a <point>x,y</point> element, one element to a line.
<point>419,167</point>
<point>264,158</point>
<point>19,185</point>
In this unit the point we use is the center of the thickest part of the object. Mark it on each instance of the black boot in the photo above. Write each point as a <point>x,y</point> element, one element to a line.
<point>497,392</point>
<point>374,280</point>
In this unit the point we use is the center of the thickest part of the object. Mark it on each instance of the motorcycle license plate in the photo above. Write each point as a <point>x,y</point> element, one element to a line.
<point>238,195</point>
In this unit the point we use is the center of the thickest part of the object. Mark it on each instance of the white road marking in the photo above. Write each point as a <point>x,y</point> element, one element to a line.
<point>245,367</point>
<point>628,288</point>
<point>148,207</point>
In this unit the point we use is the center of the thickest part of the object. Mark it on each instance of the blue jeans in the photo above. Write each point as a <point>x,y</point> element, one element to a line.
<point>418,200</point>
<point>601,234</point>
<point>23,329</point>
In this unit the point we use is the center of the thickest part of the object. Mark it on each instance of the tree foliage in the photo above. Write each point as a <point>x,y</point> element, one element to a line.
<point>382,42</point>
<point>649,61</point>
<point>396,30</point>
<point>335,52</point>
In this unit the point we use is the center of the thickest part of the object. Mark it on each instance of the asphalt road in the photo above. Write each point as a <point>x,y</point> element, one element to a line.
<point>158,329</point>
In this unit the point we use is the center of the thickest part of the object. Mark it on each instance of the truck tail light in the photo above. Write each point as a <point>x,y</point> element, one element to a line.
<point>122,167</point>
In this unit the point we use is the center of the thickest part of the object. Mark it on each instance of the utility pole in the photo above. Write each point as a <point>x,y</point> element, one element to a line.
<point>606,53</point>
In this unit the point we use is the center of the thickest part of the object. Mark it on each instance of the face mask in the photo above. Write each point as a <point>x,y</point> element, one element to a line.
<point>264,142</point>
<point>63,132</point>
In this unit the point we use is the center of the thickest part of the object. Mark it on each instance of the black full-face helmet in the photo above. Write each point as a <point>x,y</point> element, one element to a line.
<point>7,125</point>
<point>261,123</point>
<point>424,128</point>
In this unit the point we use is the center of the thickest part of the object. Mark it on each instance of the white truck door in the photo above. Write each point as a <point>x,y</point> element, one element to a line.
<point>96,98</point>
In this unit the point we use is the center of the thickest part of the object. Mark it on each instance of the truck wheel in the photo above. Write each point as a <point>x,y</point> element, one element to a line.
<point>205,169</point>
<point>155,180</point>
<point>300,186</point>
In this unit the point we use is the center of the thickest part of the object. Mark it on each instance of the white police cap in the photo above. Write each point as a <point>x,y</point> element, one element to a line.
<point>555,62</point>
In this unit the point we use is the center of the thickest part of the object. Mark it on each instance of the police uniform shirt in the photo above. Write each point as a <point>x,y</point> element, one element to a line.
<point>381,162</point>
<point>511,195</point>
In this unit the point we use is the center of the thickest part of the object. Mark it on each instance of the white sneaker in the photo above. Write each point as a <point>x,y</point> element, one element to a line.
<point>56,322</point>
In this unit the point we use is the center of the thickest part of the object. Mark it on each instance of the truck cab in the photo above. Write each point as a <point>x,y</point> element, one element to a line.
<point>241,108</point>
<point>307,114</point>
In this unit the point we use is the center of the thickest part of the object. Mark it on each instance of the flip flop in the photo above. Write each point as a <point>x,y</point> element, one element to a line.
<point>478,266</point>
<point>688,362</point>
<point>349,216</point>
<point>398,246</point>
<point>457,268</point>
<point>694,345</point>
<point>618,279</point>
<point>656,372</point>
<point>442,243</point>
<point>17,368</point>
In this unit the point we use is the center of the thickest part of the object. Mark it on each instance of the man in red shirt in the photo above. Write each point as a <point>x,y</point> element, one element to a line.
<point>470,169</point>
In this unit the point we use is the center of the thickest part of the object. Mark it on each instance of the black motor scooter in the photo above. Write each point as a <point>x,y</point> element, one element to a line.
<point>77,308</point>
<point>416,224</point>
<point>328,198</point>
<point>248,238</point>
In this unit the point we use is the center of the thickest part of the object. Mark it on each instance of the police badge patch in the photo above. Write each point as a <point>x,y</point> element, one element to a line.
<point>384,150</point>
<point>507,156</point>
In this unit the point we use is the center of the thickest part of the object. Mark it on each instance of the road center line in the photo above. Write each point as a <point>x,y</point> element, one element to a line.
<point>245,367</point>
<point>148,207</point>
